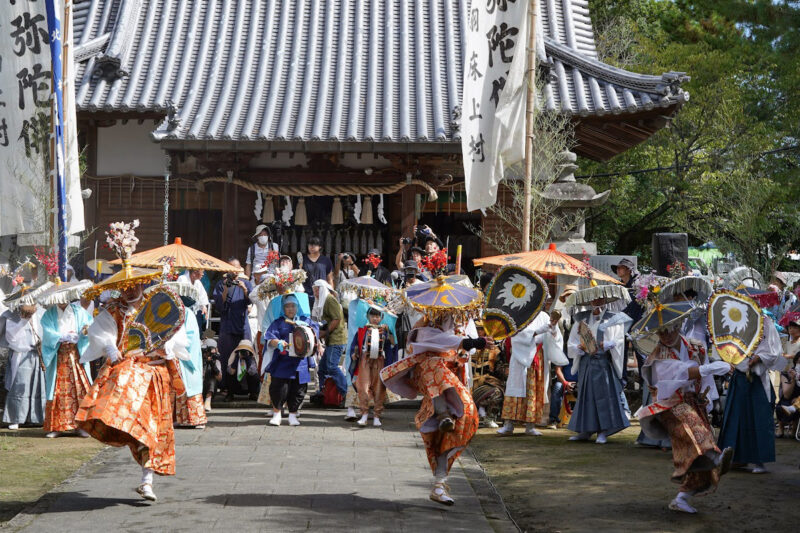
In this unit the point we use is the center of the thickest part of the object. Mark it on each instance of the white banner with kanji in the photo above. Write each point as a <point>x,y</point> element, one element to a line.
<point>24,117</point>
<point>493,123</point>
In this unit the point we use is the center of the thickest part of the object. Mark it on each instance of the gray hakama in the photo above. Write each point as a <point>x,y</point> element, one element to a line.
<point>598,407</point>
<point>24,381</point>
<point>26,391</point>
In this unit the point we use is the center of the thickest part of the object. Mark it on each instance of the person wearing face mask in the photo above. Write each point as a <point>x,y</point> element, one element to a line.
<point>257,253</point>
<point>681,382</point>
<point>21,334</point>
<point>64,339</point>
<point>596,346</point>
<point>129,404</point>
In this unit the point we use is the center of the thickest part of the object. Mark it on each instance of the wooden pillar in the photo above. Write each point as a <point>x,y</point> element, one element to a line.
<point>408,219</point>
<point>229,215</point>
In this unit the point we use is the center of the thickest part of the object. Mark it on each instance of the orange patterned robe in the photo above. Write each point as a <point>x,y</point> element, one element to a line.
<point>438,374</point>
<point>71,386</point>
<point>188,411</point>
<point>130,405</point>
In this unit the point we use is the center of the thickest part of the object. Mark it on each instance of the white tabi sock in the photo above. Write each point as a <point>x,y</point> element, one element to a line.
<point>147,476</point>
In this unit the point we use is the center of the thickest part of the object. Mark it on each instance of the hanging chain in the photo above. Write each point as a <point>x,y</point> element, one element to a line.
<point>166,208</point>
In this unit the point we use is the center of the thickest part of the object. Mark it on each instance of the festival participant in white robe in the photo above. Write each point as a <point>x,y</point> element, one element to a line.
<point>526,393</point>
<point>681,381</point>
<point>21,334</point>
<point>64,340</point>
<point>747,425</point>
<point>598,408</point>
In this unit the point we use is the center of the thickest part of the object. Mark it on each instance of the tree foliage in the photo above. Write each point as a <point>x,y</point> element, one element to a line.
<point>729,159</point>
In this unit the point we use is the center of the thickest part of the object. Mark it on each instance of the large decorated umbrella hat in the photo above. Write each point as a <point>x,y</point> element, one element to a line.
<point>178,256</point>
<point>513,299</point>
<point>121,239</point>
<point>61,293</point>
<point>764,298</point>
<point>659,317</point>
<point>602,294</point>
<point>686,288</point>
<point>27,294</point>
<point>735,324</point>
<point>444,296</point>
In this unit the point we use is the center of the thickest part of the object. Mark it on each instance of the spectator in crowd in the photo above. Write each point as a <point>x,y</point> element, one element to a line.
<point>212,371</point>
<point>316,265</point>
<point>243,369</point>
<point>201,306</point>
<point>261,246</point>
<point>285,263</point>
<point>328,312</point>
<point>345,269</point>
<point>789,399</point>
<point>231,297</point>
<point>563,383</point>
<point>380,273</point>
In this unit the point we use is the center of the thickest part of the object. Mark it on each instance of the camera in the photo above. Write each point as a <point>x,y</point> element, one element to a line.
<point>230,279</point>
<point>406,240</point>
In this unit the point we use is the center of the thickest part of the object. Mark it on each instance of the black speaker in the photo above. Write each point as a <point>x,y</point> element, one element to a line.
<point>668,248</point>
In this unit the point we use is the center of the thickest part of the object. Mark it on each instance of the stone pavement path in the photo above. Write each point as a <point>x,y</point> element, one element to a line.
<point>241,475</point>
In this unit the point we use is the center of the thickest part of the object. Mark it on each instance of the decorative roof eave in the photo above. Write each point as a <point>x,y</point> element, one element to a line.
<point>212,145</point>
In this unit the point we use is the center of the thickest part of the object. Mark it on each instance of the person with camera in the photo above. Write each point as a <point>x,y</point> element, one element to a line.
<point>231,297</point>
<point>212,371</point>
<point>346,268</point>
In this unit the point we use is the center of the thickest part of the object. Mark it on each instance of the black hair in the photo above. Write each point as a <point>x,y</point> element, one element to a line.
<point>314,240</point>
<point>485,279</point>
<point>373,311</point>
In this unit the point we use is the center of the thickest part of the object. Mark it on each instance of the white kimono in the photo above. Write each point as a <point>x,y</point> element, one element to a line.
<point>613,327</point>
<point>523,350</point>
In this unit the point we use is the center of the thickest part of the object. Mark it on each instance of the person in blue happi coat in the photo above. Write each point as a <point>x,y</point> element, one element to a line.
<point>289,374</point>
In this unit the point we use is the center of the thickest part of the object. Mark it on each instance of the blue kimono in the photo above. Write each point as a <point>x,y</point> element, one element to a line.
<point>281,364</point>
<point>51,341</point>
<point>192,370</point>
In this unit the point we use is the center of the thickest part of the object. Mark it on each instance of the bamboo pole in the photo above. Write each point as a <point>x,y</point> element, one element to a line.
<point>533,11</point>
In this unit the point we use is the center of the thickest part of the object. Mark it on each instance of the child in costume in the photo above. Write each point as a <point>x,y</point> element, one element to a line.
<point>289,373</point>
<point>371,349</point>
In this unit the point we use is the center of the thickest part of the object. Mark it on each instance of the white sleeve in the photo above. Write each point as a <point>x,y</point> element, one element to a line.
<point>102,333</point>
<point>670,375</point>
<point>203,299</point>
<point>574,342</point>
<point>178,346</point>
<point>249,259</point>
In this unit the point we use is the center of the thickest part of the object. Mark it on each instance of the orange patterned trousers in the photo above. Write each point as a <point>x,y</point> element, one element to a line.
<point>188,411</point>
<point>432,377</point>
<point>130,405</point>
<point>693,446</point>
<point>71,386</point>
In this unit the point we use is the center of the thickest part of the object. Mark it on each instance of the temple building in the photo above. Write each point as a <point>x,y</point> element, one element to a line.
<point>299,111</point>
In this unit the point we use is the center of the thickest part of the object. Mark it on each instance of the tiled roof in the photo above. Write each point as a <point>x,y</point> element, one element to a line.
<point>323,70</point>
